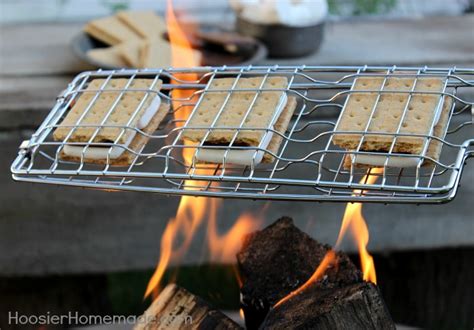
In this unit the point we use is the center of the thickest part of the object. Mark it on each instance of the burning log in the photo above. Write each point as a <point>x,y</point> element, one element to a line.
<point>355,306</point>
<point>177,308</point>
<point>278,260</point>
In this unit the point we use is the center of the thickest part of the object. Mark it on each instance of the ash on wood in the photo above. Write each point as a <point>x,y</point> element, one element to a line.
<point>278,260</point>
<point>177,308</point>
<point>355,306</point>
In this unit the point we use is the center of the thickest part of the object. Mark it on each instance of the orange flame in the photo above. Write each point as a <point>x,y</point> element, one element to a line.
<point>192,211</point>
<point>328,261</point>
<point>182,54</point>
<point>224,247</point>
<point>354,220</point>
<point>187,220</point>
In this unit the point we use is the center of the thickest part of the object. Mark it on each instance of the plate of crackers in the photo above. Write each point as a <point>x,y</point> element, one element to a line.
<point>139,39</point>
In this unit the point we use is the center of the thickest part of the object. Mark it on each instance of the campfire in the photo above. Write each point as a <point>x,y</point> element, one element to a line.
<point>286,278</point>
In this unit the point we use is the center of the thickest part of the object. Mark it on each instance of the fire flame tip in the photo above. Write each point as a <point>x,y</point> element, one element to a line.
<point>353,220</point>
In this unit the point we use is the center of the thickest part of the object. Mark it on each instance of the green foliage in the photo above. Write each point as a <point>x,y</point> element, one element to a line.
<point>216,284</point>
<point>116,5</point>
<point>126,290</point>
<point>360,7</point>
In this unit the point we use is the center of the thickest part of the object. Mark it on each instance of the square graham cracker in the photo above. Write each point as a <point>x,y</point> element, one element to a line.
<point>130,52</point>
<point>110,30</point>
<point>260,115</point>
<point>388,113</point>
<point>136,145</point>
<point>123,55</point>
<point>147,24</point>
<point>155,54</point>
<point>111,56</point>
<point>125,108</point>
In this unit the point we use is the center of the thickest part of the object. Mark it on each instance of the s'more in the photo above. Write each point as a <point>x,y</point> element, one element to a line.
<point>422,114</point>
<point>244,118</point>
<point>122,120</point>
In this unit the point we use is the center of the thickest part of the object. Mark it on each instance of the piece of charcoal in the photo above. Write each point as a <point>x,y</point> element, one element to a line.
<point>352,307</point>
<point>277,260</point>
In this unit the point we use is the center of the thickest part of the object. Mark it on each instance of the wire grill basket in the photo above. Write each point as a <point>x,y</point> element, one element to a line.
<point>308,166</point>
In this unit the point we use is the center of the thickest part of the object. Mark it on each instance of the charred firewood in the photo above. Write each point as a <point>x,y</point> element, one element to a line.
<point>277,260</point>
<point>177,308</point>
<point>355,306</point>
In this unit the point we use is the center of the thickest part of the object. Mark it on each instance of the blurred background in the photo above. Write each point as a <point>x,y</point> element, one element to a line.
<point>69,249</point>
<point>70,10</point>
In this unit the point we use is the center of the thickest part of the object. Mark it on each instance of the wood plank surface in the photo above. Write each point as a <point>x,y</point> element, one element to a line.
<point>438,40</point>
<point>424,41</point>
<point>38,61</point>
<point>39,49</point>
<point>25,101</point>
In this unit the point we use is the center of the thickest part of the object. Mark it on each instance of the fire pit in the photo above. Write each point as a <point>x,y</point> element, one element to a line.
<point>292,295</point>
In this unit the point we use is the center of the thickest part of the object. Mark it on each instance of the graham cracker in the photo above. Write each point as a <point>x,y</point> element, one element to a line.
<point>388,113</point>
<point>280,126</point>
<point>136,145</point>
<point>157,54</point>
<point>147,24</point>
<point>260,115</point>
<point>110,56</point>
<point>130,52</point>
<point>435,146</point>
<point>110,30</point>
<point>121,114</point>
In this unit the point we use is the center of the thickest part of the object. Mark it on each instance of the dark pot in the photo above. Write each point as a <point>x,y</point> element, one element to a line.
<point>282,40</point>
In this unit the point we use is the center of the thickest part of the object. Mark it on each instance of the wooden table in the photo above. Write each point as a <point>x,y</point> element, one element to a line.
<point>57,230</point>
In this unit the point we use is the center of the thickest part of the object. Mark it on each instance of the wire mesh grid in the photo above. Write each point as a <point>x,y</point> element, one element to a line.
<point>307,166</point>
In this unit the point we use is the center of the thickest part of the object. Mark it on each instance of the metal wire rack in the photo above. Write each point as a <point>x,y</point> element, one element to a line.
<point>308,166</point>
